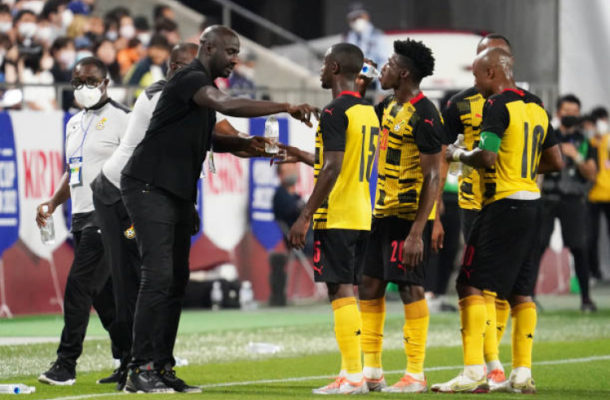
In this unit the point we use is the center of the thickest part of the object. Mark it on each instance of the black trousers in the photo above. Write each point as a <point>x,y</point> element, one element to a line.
<point>163,224</point>
<point>442,264</point>
<point>124,263</point>
<point>572,214</point>
<point>88,285</point>
<point>595,215</point>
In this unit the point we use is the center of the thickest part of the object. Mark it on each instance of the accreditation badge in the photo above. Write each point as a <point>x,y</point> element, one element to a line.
<point>76,171</point>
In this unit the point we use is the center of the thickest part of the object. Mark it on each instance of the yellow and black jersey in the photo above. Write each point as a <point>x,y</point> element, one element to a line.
<point>348,124</point>
<point>407,130</point>
<point>464,114</point>
<point>600,192</point>
<point>520,121</point>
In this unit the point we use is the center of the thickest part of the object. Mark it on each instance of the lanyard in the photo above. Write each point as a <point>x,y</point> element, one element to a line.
<point>85,131</point>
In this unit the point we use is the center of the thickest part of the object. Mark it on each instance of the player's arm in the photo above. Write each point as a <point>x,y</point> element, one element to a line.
<point>61,195</point>
<point>550,158</point>
<point>438,232</point>
<point>252,145</point>
<point>291,154</point>
<point>211,97</point>
<point>324,185</point>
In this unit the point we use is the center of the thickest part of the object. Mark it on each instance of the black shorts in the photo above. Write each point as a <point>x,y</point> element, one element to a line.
<point>384,252</point>
<point>500,253</point>
<point>467,218</point>
<point>338,254</point>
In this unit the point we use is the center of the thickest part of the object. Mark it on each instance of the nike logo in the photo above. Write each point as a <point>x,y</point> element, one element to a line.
<point>329,110</point>
<point>429,121</point>
<point>318,270</point>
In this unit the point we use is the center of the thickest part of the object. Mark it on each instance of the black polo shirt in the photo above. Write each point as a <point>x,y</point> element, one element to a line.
<point>173,150</point>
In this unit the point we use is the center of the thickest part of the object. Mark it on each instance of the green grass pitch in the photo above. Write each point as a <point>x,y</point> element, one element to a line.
<point>571,353</point>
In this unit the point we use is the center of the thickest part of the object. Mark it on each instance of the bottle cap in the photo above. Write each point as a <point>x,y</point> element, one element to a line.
<point>45,209</point>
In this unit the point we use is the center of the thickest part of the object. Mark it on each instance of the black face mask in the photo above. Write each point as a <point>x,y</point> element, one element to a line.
<point>569,121</point>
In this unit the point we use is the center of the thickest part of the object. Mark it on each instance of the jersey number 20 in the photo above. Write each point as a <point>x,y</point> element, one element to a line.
<point>366,163</point>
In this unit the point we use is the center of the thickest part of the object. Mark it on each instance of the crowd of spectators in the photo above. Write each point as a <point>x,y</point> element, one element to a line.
<point>40,41</point>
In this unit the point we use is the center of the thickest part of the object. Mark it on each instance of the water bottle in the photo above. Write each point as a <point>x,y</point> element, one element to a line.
<point>16,388</point>
<point>272,132</point>
<point>454,167</point>
<point>47,232</point>
<point>246,296</point>
<point>263,348</point>
<point>216,295</point>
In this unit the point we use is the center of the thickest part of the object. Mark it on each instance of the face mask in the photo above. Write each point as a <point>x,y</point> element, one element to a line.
<point>112,35</point>
<point>5,26</point>
<point>45,34</point>
<point>359,25</point>
<point>87,97</point>
<point>67,58</point>
<point>589,133</point>
<point>34,6</point>
<point>66,18</point>
<point>144,38</point>
<point>601,126</point>
<point>569,121</point>
<point>290,180</point>
<point>27,29</point>
<point>82,54</point>
<point>127,31</point>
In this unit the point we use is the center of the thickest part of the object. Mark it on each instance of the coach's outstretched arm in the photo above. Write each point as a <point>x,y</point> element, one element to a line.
<point>324,185</point>
<point>209,96</point>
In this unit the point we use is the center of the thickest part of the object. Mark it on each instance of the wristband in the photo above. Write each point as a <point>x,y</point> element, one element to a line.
<point>579,159</point>
<point>457,154</point>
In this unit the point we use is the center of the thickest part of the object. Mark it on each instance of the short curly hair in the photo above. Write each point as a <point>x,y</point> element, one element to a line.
<point>417,57</point>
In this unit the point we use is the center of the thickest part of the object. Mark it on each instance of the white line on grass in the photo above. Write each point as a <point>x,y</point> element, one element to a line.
<point>313,378</point>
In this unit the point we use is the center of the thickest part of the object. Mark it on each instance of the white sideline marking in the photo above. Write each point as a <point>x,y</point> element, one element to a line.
<point>312,378</point>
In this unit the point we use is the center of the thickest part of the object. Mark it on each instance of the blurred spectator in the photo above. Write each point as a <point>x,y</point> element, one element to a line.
<point>241,81</point>
<point>83,7</point>
<point>111,28</point>
<point>599,196</point>
<point>169,29</point>
<point>78,27</point>
<point>5,46</point>
<point>64,57</point>
<point>142,29</point>
<point>58,17</point>
<point>127,30</point>
<point>39,97</point>
<point>130,55</point>
<point>153,67</point>
<point>163,11</point>
<point>363,34</point>
<point>106,52</point>
<point>6,19</point>
<point>96,28</point>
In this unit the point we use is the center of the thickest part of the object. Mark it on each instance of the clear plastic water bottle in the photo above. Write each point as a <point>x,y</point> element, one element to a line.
<point>246,296</point>
<point>47,232</point>
<point>216,295</point>
<point>454,167</point>
<point>16,388</point>
<point>272,132</point>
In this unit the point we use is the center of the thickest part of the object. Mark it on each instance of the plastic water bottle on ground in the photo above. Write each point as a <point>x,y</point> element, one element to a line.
<point>47,232</point>
<point>16,388</point>
<point>246,296</point>
<point>272,132</point>
<point>216,295</point>
<point>454,167</point>
<point>263,348</point>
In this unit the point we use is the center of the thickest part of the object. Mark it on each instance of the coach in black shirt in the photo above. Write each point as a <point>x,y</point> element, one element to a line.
<point>159,186</point>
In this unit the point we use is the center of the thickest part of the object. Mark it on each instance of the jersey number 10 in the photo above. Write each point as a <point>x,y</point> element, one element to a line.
<point>366,166</point>
<point>533,153</point>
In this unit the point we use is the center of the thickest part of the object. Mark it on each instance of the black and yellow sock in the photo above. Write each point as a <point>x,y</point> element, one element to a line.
<point>473,314</point>
<point>490,342</point>
<point>417,319</point>
<point>348,327</point>
<point>502,314</point>
<point>373,318</point>
<point>524,327</point>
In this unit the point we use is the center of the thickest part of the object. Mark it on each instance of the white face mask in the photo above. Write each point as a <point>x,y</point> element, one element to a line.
<point>127,31</point>
<point>45,34</point>
<point>359,25</point>
<point>67,58</point>
<point>66,18</point>
<point>34,6</point>
<point>87,97</point>
<point>5,26</point>
<point>144,38</point>
<point>602,126</point>
<point>112,35</point>
<point>28,29</point>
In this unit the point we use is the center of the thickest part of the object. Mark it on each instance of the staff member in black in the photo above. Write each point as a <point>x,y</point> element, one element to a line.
<point>159,188</point>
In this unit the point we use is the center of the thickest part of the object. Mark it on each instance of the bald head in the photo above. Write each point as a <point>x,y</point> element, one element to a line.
<point>493,71</point>
<point>182,54</point>
<point>218,50</point>
<point>494,40</point>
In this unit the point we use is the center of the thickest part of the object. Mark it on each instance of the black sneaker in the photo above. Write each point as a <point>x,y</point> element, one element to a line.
<point>59,374</point>
<point>145,381</point>
<point>118,376</point>
<point>169,377</point>
<point>588,306</point>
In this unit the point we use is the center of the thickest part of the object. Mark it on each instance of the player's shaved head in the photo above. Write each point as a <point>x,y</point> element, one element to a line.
<point>349,57</point>
<point>493,70</point>
<point>498,59</point>
<point>494,40</point>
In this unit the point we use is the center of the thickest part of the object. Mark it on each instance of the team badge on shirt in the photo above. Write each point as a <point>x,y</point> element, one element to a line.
<point>398,126</point>
<point>100,124</point>
<point>130,233</point>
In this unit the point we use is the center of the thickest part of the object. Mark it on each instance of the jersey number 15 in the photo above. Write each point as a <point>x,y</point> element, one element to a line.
<point>366,163</point>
